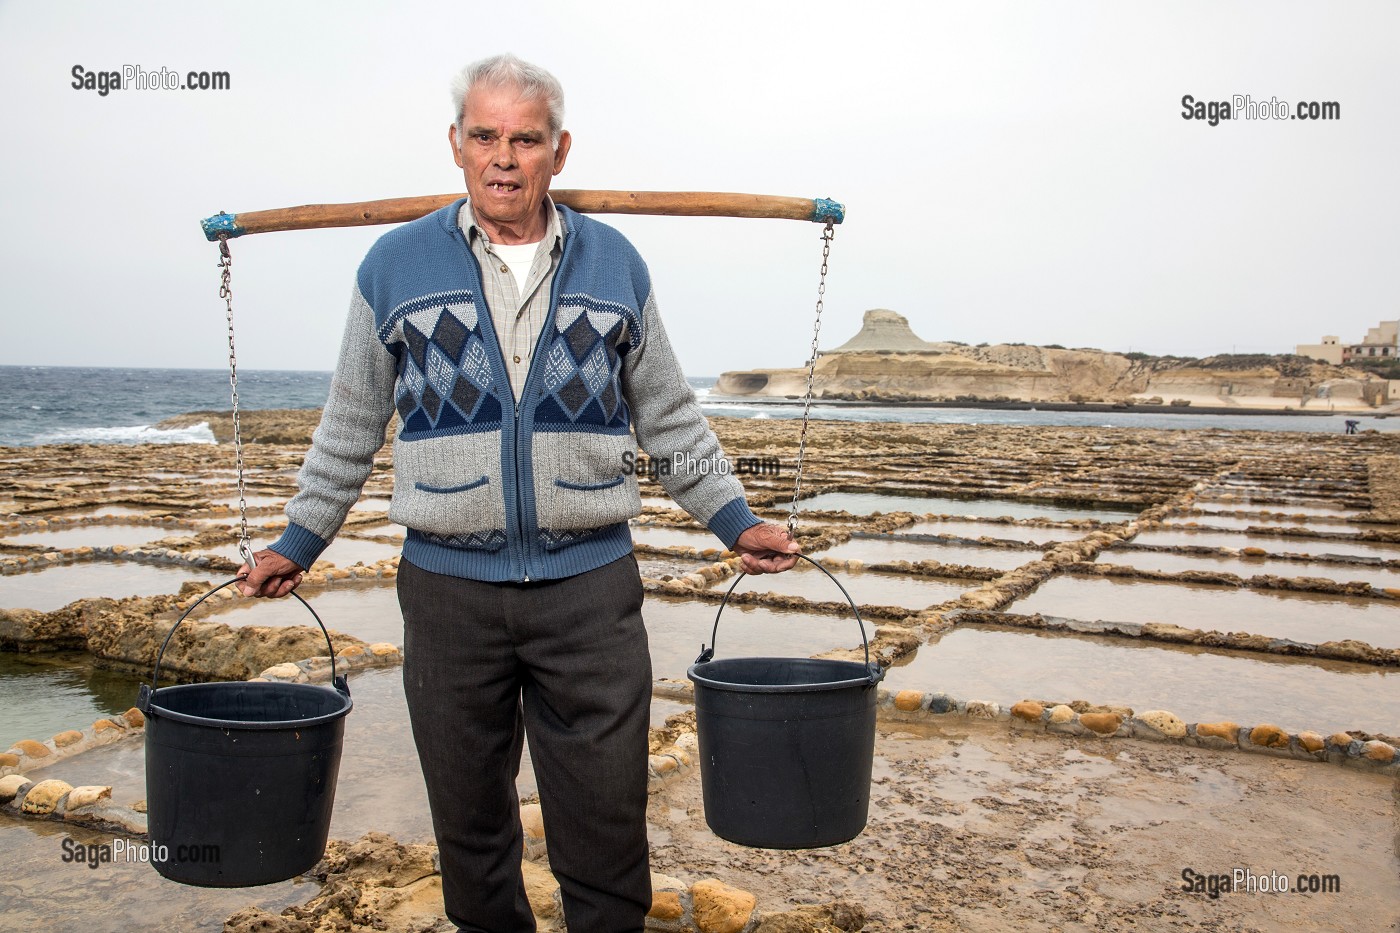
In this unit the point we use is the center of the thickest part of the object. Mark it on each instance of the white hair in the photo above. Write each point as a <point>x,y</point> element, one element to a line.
<point>508,71</point>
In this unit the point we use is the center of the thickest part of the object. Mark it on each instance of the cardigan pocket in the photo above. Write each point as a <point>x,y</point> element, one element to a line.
<point>582,482</point>
<point>450,486</point>
<point>591,487</point>
<point>577,507</point>
<point>448,490</point>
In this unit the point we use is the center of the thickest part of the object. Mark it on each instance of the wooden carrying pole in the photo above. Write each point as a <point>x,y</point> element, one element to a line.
<point>399,210</point>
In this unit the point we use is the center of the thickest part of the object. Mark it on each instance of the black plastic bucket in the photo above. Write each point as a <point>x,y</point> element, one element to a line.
<point>786,744</point>
<point>240,777</point>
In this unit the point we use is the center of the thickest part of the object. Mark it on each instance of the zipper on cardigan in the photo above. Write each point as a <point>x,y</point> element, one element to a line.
<point>519,510</point>
<point>532,377</point>
<point>511,546</point>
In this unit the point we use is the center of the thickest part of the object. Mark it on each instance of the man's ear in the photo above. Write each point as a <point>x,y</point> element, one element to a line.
<point>561,152</point>
<point>452,141</point>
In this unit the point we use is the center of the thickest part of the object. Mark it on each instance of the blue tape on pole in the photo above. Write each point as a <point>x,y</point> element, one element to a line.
<point>224,225</point>
<point>827,211</point>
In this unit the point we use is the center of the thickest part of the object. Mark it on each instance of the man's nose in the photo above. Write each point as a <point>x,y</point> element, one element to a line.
<point>505,154</point>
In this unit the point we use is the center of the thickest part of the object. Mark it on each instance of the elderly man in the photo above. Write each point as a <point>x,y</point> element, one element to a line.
<point>520,344</point>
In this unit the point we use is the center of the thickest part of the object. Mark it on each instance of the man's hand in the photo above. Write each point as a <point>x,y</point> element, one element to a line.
<point>274,576</point>
<point>767,548</point>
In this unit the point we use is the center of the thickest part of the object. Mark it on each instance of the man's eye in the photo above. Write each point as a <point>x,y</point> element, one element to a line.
<point>527,143</point>
<point>482,138</point>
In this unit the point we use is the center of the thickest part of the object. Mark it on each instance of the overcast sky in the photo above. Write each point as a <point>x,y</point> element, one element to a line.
<point>1011,172</point>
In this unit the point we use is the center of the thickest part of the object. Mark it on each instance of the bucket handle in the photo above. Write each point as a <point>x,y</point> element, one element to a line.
<point>873,671</point>
<point>147,693</point>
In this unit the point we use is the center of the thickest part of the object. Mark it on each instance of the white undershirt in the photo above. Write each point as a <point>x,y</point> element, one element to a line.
<point>520,258</point>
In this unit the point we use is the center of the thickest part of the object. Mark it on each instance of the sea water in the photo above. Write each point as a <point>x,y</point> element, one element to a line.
<point>93,405</point>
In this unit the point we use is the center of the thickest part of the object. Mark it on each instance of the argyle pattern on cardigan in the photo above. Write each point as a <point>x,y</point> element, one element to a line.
<point>446,383</point>
<point>582,365</point>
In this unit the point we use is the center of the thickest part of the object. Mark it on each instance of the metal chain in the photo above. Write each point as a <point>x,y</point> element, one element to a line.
<point>827,236</point>
<point>245,548</point>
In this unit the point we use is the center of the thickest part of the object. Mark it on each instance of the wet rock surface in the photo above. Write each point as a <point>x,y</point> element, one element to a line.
<point>970,829</point>
<point>373,883</point>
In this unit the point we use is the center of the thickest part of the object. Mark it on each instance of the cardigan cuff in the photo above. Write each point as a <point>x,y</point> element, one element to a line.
<point>299,545</point>
<point>732,521</point>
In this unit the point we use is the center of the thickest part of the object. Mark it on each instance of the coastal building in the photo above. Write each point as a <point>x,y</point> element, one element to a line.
<point>1329,351</point>
<point>1382,342</point>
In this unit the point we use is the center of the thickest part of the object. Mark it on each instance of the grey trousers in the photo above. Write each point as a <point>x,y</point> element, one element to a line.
<point>565,661</point>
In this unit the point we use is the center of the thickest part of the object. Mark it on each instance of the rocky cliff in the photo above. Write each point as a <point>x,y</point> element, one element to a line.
<point>886,361</point>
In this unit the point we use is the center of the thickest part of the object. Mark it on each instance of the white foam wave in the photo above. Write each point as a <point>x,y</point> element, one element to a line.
<point>734,411</point>
<point>135,434</point>
<point>732,406</point>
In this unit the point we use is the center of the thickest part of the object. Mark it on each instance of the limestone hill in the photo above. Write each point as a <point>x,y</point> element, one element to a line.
<point>886,361</point>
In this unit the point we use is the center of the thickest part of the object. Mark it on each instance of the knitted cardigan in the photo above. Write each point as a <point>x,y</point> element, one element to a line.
<point>490,489</point>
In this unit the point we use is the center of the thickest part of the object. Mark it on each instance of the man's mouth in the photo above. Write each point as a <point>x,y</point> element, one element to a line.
<point>503,186</point>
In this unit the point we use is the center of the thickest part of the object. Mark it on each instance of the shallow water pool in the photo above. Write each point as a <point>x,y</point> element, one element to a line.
<point>1315,523</point>
<point>676,629</point>
<point>886,549</point>
<point>369,612</point>
<point>1307,617</point>
<point>864,503</point>
<point>250,500</point>
<point>55,587</point>
<point>346,552</point>
<point>42,892</point>
<point>381,784</point>
<point>1197,685</point>
<point>130,536</point>
<point>1275,544</point>
<point>867,588</point>
<point>658,568</point>
<point>43,694</point>
<point>1228,502</point>
<point>112,511</point>
<point>1169,562</point>
<point>668,536</point>
<point>1005,532</point>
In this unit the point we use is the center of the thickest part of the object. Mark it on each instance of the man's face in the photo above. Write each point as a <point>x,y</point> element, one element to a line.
<point>507,160</point>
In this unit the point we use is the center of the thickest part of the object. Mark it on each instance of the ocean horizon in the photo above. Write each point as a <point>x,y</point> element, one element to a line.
<point>114,405</point>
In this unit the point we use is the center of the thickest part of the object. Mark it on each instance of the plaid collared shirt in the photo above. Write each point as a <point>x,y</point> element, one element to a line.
<point>517,314</point>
